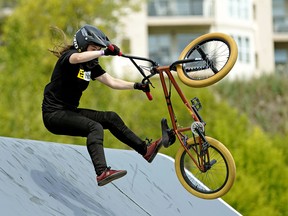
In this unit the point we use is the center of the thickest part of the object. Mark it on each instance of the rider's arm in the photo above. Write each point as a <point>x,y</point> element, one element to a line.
<point>115,83</point>
<point>86,56</point>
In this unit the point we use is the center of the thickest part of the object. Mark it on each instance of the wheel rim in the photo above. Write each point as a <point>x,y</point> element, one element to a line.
<point>224,48</point>
<point>217,53</point>
<point>211,181</point>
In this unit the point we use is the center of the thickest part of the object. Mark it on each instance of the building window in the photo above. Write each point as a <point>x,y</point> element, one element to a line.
<point>280,17</point>
<point>240,9</point>
<point>243,44</point>
<point>166,48</point>
<point>187,7</point>
<point>281,59</point>
<point>160,48</point>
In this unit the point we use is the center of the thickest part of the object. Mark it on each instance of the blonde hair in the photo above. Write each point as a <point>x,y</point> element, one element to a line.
<point>59,41</point>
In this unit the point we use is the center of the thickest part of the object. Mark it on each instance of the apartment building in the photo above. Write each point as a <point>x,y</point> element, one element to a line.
<point>280,35</point>
<point>164,27</point>
<point>260,28</point>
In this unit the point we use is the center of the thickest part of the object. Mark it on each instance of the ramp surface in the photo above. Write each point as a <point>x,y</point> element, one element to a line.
<point>44,178</point>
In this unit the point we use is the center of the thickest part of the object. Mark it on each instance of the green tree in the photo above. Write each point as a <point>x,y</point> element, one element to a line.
<point>26,64</point>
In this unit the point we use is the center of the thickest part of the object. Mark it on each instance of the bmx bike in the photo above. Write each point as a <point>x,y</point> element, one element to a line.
<point>203,165</point>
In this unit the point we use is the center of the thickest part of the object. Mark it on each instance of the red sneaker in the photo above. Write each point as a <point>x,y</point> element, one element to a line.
<point>152,150</point>
<point>109,175</point>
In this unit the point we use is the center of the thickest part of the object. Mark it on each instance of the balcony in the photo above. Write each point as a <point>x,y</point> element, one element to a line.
<point>280,28</point>
<point>180,13</point>
<point>181,8</point>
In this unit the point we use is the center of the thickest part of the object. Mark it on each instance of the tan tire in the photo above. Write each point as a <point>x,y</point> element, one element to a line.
<point>214,56</point>
<point>213,183</point>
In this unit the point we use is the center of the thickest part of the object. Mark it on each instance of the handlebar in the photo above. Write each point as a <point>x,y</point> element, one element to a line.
<point>146,78</point>
<point>148,94</point>
<point>153,67</point>
<point>140,58</point>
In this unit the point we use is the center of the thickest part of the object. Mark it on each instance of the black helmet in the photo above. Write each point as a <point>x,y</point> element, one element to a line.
<point>89,35</point>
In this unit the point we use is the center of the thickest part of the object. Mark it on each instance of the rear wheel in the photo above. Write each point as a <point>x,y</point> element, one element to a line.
<point>213,182</point>
<point>212,57</point>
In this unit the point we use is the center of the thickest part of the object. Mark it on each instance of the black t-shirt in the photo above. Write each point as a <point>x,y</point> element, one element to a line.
<point>67,83</point>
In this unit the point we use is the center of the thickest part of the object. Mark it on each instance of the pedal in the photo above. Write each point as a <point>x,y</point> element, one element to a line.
<point>196,106</point>
<point>196,103</point>
<point>168,136</point>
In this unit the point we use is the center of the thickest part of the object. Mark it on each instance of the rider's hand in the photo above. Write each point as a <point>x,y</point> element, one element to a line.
<point>112,50</point>
<point>142,86</point>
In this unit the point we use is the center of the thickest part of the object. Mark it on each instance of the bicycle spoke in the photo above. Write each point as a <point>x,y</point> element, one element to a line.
<point>209,58</point>
<point>211,180</point>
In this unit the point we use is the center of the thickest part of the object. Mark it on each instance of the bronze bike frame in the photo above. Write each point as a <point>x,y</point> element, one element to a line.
<point>177,130</point>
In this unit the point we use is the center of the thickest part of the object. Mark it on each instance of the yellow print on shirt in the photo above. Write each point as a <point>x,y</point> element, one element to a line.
<point>84,75</point>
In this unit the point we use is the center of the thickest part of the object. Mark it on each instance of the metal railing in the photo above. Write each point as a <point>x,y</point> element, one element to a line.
<point>181,8</point>
<point>280,24</point>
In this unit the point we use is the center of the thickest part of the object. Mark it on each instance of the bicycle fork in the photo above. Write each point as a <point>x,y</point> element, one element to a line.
<point>197,128</point>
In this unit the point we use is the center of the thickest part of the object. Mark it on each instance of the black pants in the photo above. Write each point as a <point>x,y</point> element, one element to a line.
<point>90,124</point>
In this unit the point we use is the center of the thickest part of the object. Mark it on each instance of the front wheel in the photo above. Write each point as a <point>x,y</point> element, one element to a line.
<point>212,57</point>
<point>213,182</point>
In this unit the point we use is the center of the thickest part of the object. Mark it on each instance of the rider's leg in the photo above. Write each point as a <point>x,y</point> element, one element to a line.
<point>67,122</point>
<point>113,122</point>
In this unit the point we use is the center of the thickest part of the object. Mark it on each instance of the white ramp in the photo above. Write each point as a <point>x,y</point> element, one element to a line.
<point>42,178</point>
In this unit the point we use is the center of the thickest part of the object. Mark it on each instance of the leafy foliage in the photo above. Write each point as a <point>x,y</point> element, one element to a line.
<point>264,99</point>
<point>252,128</point>
<point>26,64</point>
<point>263,151</point>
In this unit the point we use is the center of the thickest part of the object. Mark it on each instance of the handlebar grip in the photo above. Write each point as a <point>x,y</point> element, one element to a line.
<point>111,47</point>
<point>149,96</point>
